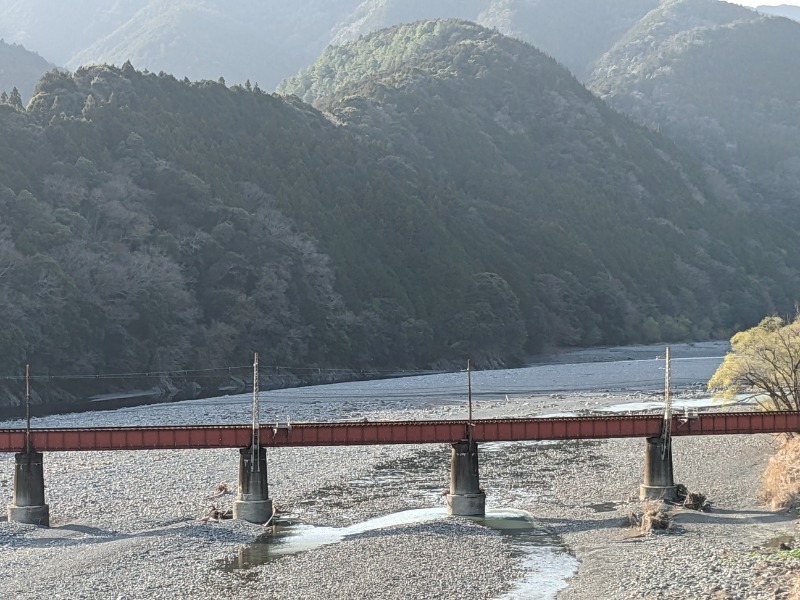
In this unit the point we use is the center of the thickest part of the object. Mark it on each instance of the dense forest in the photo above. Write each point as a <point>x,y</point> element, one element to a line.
<point>425,194</point>
<point>716,77</point>
<point>452,193</point>
<point>720,80</point>
<point>266,42</point>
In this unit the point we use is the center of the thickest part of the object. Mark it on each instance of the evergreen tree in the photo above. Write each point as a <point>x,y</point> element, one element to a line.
<point>15,99</point>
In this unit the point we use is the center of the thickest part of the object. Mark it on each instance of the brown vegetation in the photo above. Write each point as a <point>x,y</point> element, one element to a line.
<point>653,517</point>
<point>781,479</point>
<point>692,500</point>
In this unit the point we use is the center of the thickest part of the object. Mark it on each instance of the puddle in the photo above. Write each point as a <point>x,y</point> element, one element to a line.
<point>604,507</point>
<point>780,542</point>
<point>546,573</point>
<point>547,566</point>
<point>288,537</point>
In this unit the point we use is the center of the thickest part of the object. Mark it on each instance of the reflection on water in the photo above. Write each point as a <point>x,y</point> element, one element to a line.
<point>289,537</point>
<point>545,561</point>
<point>780,542</point>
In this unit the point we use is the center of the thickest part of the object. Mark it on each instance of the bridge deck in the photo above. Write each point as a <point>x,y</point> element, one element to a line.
<point>395,432</point>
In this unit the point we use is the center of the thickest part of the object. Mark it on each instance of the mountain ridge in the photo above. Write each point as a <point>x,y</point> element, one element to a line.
<point>453,192</point>
<point>705,86</point>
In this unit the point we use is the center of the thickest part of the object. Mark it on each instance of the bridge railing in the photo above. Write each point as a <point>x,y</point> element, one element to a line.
<point>347,433</point>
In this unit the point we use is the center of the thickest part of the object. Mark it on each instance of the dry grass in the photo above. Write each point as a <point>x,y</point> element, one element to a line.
<point>653,517</point>
<point>780,482</point>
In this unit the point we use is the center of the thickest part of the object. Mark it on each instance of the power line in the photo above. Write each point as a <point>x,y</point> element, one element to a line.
<point>217,371</point>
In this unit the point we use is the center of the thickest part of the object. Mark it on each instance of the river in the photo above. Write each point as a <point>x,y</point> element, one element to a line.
<point>618,379</point>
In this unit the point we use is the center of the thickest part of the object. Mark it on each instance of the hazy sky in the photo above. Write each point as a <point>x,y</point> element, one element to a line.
<point>765,2</point>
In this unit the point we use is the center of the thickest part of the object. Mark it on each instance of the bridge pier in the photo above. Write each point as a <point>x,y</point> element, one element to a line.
<point>659,483</point>
<point>27,503</point>
<point>252,500</point>
<point>466,498</point>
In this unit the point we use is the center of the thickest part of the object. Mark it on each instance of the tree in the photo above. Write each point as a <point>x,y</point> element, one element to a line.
<point>764,363</point>
<point>490,327</point>
<point>15,99</point>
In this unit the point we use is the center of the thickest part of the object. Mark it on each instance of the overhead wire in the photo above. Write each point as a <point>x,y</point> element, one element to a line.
<point>219,370</point>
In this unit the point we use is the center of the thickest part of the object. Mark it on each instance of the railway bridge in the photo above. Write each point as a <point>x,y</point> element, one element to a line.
<point>466,496</point>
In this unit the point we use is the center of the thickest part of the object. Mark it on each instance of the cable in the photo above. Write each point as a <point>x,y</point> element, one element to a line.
<point>196,373</point>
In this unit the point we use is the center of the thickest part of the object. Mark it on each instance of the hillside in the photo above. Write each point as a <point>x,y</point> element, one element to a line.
<point>204,39</point>
<point>543,163</point>
<point>575,32</point>
<point>266,42</point>
<point>41,25</point>
<point>466,196</point>
<point>239,41</point>
<point>720,81</point>
<point>20,69</point>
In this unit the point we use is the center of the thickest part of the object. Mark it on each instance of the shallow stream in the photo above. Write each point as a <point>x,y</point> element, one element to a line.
<point>546,562</point>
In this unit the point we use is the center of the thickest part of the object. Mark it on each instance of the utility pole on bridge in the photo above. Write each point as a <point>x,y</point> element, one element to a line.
<point>466,498</point>
<point>27,504</point>
<point>659,482</point>
<point>252,500</point>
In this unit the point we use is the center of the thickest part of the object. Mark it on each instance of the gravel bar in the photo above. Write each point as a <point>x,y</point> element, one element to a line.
<point>128,524</point>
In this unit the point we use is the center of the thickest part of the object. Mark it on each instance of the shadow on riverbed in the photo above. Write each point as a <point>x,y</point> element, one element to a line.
<point>73,534</point>
<point>732,517</point>
<point>558,527</point>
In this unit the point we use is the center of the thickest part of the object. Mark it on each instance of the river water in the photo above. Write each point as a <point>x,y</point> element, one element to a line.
<point>623,379</point>
<point>619,372</point>
<point>624,375</point>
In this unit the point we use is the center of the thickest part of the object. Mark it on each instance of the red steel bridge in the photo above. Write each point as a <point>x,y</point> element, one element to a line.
<point>349,433</point>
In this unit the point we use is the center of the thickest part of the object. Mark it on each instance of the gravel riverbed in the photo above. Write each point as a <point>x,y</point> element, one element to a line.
<point>128,525</point>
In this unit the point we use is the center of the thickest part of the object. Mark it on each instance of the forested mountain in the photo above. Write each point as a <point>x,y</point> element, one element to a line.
<point>721,81</point>
<point>256,40</point>
<point>575,32</point>
<point>266,41</point>
<point>58,30</point>
<point>20,69</point>
<point>466,196</point>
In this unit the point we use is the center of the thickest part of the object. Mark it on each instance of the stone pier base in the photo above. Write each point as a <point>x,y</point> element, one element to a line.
<point>252,501</point>
<point>27,502</point>
<point>466,498</point>
<point>658,483</point>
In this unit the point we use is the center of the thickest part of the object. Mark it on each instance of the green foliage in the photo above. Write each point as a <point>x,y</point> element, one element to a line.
<point>465,195</point>
<point>720,80</point>
<point>579,189</point>
<point>764,362</point>
<point>490,323</point>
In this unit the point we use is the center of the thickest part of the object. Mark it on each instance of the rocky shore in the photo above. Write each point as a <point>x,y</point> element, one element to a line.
<point>129,525</point>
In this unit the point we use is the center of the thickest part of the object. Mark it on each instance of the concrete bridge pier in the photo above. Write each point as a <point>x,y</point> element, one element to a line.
<point>466,498</point>
<point>658,483</point>
<point>252,501</point>
<point>27,502</point>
